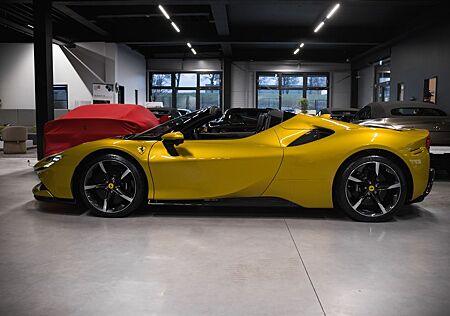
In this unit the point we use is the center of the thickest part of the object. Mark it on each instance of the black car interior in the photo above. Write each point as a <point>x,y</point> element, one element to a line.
<point>202,129</point>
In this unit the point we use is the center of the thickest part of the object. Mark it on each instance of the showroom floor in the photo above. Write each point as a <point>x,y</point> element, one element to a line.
<point>57,260</point>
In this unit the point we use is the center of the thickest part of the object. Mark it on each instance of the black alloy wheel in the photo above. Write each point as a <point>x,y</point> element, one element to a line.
<point>371,189</point>
<point>112,186</point>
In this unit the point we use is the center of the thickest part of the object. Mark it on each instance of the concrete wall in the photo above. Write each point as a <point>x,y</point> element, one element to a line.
<point>365,85</point>
<point>78,68</point>
<point>421,57</point>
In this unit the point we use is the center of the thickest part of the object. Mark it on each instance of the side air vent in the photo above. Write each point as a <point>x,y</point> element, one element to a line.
<point>312,136</point>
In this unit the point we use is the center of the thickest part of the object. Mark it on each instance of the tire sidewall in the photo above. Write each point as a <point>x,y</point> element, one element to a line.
<point>341,196</point>
<point>138,176</point>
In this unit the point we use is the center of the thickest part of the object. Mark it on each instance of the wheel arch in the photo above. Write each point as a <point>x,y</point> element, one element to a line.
<point>379,152</point>
<point>105,151</point>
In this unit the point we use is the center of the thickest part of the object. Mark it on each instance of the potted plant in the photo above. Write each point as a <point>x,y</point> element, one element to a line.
<point>303,105</point>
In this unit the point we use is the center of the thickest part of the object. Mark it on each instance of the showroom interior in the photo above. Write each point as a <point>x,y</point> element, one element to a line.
<point>240,253</point>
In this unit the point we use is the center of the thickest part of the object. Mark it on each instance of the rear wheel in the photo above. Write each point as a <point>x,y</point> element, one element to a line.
<point>371,189</point>
<point>111,186</point>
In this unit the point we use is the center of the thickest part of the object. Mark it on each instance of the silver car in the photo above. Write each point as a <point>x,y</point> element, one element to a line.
<point>404,114</point>
<point>409,114</point>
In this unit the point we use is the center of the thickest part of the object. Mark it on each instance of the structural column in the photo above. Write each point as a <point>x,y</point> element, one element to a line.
<point>354,89</point>
<point>226,83</point>
<point>43,69</point>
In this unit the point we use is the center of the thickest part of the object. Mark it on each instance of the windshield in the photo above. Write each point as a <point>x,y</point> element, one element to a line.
<point>167,127</point>
<point>417,112</point>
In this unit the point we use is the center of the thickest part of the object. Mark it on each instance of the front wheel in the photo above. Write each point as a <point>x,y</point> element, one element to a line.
<point>111,186</point>
<point>371,189</point>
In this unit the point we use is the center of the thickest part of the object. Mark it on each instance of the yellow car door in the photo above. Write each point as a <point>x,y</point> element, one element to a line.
<point>216,168</point>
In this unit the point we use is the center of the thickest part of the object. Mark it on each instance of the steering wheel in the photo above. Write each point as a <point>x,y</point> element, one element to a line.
<point>195,133</point>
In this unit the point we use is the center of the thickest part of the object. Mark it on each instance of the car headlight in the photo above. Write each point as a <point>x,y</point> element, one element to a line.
<point>47,162</point>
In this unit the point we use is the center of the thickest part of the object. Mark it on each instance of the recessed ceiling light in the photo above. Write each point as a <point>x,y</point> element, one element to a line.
<point>335,8</point>
<point>296,51</point>
<point>175,27</point>
<point>189,45</point>
<point>161,8</point>
<point>193,51</point>
<point>302,44</point>
<point>318,27</point>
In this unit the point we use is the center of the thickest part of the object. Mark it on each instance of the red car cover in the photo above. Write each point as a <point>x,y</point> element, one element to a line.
<point>95,121</point>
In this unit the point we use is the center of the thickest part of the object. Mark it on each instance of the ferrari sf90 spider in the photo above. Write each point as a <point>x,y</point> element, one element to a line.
<point>370,173</point>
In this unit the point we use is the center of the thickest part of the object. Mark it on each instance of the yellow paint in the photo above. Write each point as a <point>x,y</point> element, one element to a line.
<point>259,165</point>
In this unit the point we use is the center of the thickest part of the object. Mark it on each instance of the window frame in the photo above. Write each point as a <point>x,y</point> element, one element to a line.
<point>280,87</point>
<point>197,88</point>
<point>66,88</point>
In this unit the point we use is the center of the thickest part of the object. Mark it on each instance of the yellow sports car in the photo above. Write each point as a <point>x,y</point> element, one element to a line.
<point>314,162</point>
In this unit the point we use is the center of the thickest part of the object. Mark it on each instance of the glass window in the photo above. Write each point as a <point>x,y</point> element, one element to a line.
<point>186,80</point>
<point>162,80</point>
<point>317,81</point>
<point>417,112</point>
<point>294,81</point>
<point>187,99</point>
<point>60,98</point>
<point>209,98</point>
<point>210,80</point>
<point>317,99</point>
<point>363,114</point>
<point>290,100</point>
<point>268,80</point>
<point>268,98</point>
<point>163,95</point>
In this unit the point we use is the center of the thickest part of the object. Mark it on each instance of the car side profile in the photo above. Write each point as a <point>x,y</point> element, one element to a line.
<point>370,173</point>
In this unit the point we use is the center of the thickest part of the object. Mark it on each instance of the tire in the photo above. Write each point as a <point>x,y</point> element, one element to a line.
<point>111,186</point>
<point>371,189</point>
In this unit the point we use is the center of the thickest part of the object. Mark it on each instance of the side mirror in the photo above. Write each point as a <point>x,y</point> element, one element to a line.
<point>170,140</point>
<point>326,116</point>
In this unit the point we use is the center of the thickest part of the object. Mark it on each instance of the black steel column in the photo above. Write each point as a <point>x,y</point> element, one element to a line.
<point>226,83</point>
<point>43,69</point>
<point>354,89</point>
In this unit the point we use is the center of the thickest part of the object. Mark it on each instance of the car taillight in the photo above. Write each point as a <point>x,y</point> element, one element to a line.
<point>428,142</point>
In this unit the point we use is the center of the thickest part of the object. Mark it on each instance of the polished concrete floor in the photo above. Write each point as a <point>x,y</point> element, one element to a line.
<point>57,260</point>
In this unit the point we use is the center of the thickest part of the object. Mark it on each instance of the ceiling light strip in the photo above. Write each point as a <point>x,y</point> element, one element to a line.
<point>175,27</point>
<point>318,27</point>
<point>335,8</point>
<point>161,8</point>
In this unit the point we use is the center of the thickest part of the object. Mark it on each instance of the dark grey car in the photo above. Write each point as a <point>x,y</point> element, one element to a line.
<point>408,114</point>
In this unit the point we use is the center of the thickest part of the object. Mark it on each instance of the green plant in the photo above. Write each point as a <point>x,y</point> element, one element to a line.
<point>303,104</point>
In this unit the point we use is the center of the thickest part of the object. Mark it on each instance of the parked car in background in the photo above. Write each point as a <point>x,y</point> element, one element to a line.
<point>91,122</point>
<point>165,114</point>
<point>408,115</point>
<point>184,111</point>
<point>340,114</point>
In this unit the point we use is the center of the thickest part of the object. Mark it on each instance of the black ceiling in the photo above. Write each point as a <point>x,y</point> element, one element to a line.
<point>242,30</point>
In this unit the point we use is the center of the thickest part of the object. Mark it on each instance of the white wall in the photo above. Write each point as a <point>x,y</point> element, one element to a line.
<point>16,76</point>
<point>131,73</point>
<point>64,73</point>
<point>78,68</point>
